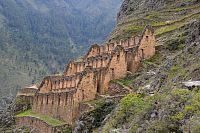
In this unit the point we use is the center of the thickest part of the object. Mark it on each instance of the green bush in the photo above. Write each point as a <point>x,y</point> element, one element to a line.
<point>176,44</point>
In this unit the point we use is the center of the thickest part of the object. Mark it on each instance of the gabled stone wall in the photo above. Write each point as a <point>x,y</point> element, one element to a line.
<point>98,61</point>
<point>147,44</point>
<point>96,56</point>
<point>56,105</point>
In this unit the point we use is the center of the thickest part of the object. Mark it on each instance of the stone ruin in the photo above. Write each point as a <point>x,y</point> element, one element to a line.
<point>60,96</point>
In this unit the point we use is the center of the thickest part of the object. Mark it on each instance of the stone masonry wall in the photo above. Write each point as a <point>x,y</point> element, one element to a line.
<point>60,96</point>
<point>56,105</point>
<point>145,50</point>
<point>65,105</point>
<point>114,70</point>
<point>98,61</point>
<point>147,44</point>
<point>36,124</point>
<point>96,50</point>
<point>28,90</point>
<point>59,83</point>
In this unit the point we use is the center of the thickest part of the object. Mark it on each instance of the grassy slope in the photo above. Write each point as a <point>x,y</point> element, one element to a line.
<point>162,21</point>
<point>172,107</point>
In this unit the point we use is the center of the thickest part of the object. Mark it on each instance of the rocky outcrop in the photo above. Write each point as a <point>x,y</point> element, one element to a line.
<point>95,117</point>
<point>136,7</point>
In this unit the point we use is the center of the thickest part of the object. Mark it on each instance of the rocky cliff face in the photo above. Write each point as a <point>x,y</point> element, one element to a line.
<point>138,6</point>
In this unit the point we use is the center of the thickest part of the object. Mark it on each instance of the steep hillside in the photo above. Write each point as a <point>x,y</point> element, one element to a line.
<point>165,91</point>
<point>160,102</point>
<point>163,96</point>
<point>38,37</point>
<point>167,17</point>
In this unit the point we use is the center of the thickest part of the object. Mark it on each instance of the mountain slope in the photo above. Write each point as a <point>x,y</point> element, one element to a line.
<point>39,37</point>
<point>168,16</point>
<point>161,100</point>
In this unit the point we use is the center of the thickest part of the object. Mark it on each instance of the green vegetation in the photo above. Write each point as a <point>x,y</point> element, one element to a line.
<point>176,44</point>
<point>97,103</point>
<point>176,24</point>
<point>161,103</point>
<point>49,120</point>
<point>93,118</point>
<point>134,109</point>
<point>152,63</point>
<point>193,106</point>
<point>156,58</point>
<point>162,20</point>
<point>167,29</point>
<point>133,103</point>
<point>131,107</point>
<point>123,82</point>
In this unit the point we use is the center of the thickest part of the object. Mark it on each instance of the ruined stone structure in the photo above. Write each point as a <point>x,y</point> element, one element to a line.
<point>60,96</point>
<point>31,90</point>
<point>37,125</point>
<point>26,95</point>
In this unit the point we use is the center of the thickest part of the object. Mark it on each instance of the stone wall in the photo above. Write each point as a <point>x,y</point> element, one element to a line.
<point>114,70</point>
<point>145,50</point>
<point>96,56</point>
<point>60,96</point>
<point>56,105</point>
<point>28,91</point>
<point>88,84</point>
<point>65,105</point>
<point>109,47</point>
<point>59,83</point>
<point>25,99</point>
<point>36,124</point>
<point>98,61</point>
<point>147,44</point>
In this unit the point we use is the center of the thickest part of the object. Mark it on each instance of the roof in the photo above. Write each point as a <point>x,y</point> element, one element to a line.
<point>32,87</point>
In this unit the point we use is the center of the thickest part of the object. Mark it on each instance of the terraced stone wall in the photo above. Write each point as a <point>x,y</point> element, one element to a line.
<point>36,125</point>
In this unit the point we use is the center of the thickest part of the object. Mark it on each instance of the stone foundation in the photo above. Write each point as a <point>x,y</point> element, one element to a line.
<point>36,124</point>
